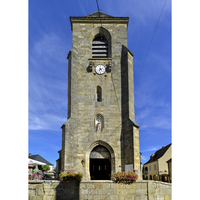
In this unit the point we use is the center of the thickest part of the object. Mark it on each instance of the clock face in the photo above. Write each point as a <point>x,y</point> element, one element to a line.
<point>100,69</point>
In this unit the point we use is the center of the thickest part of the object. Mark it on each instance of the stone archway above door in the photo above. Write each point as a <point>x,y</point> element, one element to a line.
<point>100,163</point>
<point>88,153</point>
<point>100,152</point>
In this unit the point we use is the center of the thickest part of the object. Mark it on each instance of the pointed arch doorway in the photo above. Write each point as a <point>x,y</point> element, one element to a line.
<point>100,163</point>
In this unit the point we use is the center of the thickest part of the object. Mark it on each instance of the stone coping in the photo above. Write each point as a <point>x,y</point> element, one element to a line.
<point>42,181</point>
<point>96,181</point>
<point>97,20</point>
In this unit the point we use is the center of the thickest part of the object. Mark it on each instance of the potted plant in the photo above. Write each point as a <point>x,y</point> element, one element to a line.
<point>71,176</point>
<point>123,177</point>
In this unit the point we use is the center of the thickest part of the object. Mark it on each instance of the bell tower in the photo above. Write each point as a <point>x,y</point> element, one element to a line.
<point>100,136</point>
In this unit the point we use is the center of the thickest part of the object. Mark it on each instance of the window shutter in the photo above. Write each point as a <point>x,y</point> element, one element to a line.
<point>100,47</point>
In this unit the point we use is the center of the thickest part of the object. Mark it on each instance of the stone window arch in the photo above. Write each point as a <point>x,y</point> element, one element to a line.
<point>100,152</point>
<point>100,163</point>
<point>87,158</point>
<point>99,122</point>
<point>101,43</point>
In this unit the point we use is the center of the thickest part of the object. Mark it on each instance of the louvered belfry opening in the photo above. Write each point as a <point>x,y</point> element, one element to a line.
<point>100,47</point>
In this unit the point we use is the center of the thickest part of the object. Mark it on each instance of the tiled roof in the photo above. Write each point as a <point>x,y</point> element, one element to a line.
<point>40,158</point>
<point>158,154</point>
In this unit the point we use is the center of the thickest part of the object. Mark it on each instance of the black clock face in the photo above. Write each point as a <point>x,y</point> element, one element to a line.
<point>100,69</point>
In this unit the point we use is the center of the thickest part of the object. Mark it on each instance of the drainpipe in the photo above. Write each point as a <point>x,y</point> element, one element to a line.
<point>158,171</point>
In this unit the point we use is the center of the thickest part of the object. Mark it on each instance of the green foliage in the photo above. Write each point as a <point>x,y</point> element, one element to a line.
<point>67,176</point>
<point>44,167</point>
<point>125,177</point>
<point>50,175</point>
<point>54,169</point>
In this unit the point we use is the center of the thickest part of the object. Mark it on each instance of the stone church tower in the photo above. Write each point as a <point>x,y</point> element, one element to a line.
<point>100,136</point>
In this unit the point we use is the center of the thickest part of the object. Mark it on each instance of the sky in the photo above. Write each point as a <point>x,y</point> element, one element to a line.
<point>50,39</point>
<point>35,40</point>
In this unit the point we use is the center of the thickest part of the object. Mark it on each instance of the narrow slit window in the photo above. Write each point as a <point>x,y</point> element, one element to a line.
<point>99,94</point>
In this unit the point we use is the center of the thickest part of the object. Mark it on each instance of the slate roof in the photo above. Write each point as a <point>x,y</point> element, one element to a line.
<point>96,14</point>
<point>40,158</point>
<point>158,154</point>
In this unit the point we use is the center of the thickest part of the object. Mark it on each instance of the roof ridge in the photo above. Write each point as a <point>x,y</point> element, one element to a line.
<point>41,159</point>
<point>96,14</point>
<point>158,154</point>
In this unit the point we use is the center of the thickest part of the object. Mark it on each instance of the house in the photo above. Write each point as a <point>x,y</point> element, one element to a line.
<point>169,163</point>
<point>157,168</point>
<point>39,158</point>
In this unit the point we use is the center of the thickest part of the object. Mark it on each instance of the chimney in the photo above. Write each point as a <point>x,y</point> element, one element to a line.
<point>152,155</point>
<point>30,154</point>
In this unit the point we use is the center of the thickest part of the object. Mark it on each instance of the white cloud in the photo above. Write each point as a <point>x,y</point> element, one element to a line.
<point>157,116</point>
<point>46,122</point>
<point>154,149</point>
<point>47,97</point>
<point>47,87</point>
<point>160,122</point>
<point>144,11</point>
<point>151,120</point>
<point>143,158</point>
<point>50,47</point>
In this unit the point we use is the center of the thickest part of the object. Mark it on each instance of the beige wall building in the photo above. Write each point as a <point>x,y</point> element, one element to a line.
<point>157,168</point>
<point>100,136</point>
<point>169,163</point>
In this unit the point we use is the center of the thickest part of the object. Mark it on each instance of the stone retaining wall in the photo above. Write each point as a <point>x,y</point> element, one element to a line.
<point>98,190</point>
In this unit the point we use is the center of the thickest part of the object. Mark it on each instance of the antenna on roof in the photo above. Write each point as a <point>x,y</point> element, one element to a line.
<point>98,6</point>
<point>99,11</point>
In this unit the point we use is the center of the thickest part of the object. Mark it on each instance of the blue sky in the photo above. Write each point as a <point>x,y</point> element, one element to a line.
<point>50,39</point>
<point>33,81</point>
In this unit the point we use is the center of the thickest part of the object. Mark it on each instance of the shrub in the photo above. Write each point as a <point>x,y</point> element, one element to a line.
<point>44,167</point>
<point>67,176</point>
<point>125,177</point>
<point>50,175</point>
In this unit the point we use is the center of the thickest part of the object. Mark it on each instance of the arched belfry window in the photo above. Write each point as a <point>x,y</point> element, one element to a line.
<point>100,47</point>
<point>99,94</point>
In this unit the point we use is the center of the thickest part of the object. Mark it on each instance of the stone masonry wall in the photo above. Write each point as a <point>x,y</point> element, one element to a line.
<point>99,190</point>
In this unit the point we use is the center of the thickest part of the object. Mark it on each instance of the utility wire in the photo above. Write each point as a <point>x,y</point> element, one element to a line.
<point>151,41</point>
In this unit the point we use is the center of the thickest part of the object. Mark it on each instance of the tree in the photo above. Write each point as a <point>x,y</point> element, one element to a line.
<point>44,167</point>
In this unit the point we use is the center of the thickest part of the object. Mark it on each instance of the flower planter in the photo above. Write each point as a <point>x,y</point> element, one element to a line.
<point>71,176</point>
<point>128,178</point>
